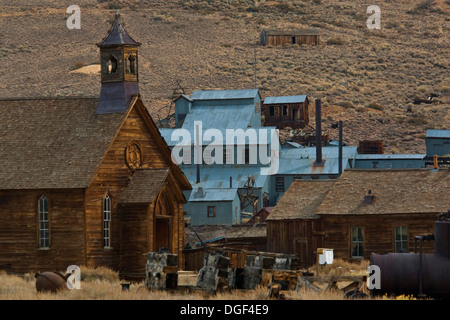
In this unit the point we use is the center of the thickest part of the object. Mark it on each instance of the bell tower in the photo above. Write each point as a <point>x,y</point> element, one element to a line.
<point>119,69</point>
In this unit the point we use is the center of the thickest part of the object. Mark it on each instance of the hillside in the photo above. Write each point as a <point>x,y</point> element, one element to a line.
<point>367,78</point>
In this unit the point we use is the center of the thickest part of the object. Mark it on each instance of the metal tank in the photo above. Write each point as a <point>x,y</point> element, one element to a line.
<point>51,282</point>
<point>417,273</point>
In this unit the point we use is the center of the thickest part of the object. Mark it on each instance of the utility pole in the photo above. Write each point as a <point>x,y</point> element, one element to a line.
<point>255,65</point>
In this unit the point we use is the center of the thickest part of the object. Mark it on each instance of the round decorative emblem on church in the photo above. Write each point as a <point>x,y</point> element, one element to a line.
<point>133,155</point>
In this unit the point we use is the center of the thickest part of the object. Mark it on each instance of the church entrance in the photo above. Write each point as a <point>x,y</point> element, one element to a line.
<point>162,235</point>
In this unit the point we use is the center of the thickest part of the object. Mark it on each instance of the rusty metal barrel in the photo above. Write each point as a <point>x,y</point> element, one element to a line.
<point>442,238</point>
<point>50,282</point>
<point>417,273</point>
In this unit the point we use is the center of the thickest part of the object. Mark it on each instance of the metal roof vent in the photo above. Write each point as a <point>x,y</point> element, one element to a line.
<point>200,193</point>
<point>369,198</point>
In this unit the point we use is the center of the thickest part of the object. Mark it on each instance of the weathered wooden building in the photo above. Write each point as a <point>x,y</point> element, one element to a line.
<point>363,211</point>
<point>293,225</point>
<point>88,181</point>
<point>286,111</point>
<point>282,37</point>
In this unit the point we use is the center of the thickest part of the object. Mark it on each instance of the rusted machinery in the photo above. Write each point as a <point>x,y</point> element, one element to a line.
<point>51,282</point>
<point>418,274</point>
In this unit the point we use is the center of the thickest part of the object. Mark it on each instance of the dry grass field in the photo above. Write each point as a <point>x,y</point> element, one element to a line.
<point>367,78</point>
<point>104,284</point>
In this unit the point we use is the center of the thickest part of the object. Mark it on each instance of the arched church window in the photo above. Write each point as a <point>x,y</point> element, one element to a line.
<point>44,228</point>
<point>111,65</point>
<point>131,64</point>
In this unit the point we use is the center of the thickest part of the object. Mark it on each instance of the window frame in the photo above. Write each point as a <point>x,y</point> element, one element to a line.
<point>208,214</point>
<point>280,184</point>
<point>358,243</point>
<point>403,242</point>
<point>131,64</point>
<point>43,223</point>
<point>106,220</point>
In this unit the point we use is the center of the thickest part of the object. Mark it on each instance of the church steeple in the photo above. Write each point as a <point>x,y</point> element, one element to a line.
<point>119,69</point>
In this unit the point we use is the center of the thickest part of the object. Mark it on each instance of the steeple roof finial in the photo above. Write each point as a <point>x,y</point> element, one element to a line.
<point>117,35</point>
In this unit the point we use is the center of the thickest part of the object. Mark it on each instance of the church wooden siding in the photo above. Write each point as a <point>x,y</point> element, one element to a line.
<point>378,232</point>
<point>20,250</point>
<point>112,178</point>
<point>134,235</point>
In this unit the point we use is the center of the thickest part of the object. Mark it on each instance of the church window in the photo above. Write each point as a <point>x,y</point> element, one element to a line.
<point>44,226</point>
<point>107,221</point>
<point>111,65</point>
<point>131,64</point>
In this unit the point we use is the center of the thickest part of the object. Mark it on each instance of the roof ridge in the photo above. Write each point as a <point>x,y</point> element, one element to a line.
<point>48,98</point>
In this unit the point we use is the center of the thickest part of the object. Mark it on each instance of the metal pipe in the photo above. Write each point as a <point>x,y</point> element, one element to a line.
<point>318,131</point>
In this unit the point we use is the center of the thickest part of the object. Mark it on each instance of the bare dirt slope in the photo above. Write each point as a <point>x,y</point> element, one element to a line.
<point>367,78</point>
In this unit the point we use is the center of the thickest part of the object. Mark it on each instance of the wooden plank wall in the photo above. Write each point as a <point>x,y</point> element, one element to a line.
<point>283,236</point>
<point>19,230</point>
<point>281,121</point>
<point>134,239</point>
<point>378,232</point>
<point>279,40</point>
<point>112,177</point>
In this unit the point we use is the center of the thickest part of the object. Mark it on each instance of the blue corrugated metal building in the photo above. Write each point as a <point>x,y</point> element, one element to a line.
<point>218,187</point>
<point>215,198</point>
<point>390,161</point>
<point>437,142</point>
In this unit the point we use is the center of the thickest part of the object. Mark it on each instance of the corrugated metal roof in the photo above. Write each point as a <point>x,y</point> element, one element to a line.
<point>183,96</point>
<point>224,94</point>
<point>219,117</point>
<point>214,195</point>
<point>250,139</point>
<point>310,152</point>
<point>307,167</point>
<point>215,177</point>
<point>389,156</point>
<point>300,161</point>
<point>434,133</point>
<point>215,181</point>
<point>285,99</point>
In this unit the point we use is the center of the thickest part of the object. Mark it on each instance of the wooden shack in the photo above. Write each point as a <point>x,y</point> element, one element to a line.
<point>363,211</point>
<point>382,211</point>
<point>87,181</point>
<point>293,225</point>
<point>286,111</point>
<point>283,37</point>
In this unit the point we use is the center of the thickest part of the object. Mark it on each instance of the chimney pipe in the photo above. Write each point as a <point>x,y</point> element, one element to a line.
<point>340,147</point>
<point>318,132</point>
<point>198,173</point>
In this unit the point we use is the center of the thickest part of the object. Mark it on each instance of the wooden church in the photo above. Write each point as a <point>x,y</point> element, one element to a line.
<point>88,181</point>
